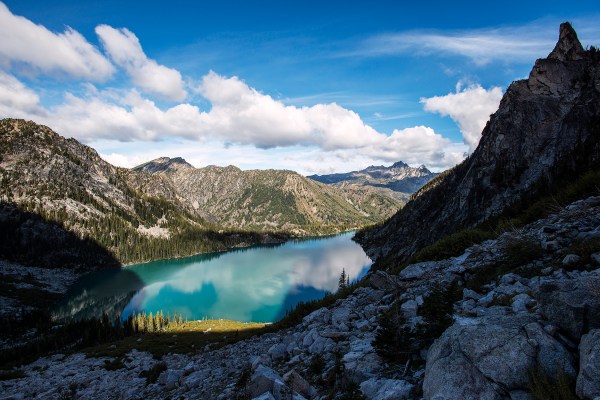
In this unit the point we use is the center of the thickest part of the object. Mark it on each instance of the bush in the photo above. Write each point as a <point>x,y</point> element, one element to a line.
<point>452,245</point>
<point>113,365</point>
<point>153,373</point>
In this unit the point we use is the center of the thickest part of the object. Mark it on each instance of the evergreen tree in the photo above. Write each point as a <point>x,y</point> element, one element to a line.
<point>392,341</point>
<point>343,281</point>
<point>437,311</point>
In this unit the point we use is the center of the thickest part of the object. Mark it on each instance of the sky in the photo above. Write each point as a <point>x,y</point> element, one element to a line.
<point>315,87</point>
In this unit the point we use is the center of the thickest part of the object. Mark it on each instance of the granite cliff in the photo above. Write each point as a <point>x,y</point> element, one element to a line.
<point>546,132</point>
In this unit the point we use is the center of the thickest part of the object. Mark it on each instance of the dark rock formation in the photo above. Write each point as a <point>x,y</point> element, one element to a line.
<point>545,132</point>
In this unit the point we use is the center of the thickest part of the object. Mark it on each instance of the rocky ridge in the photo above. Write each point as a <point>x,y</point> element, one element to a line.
<point>266,199</point>
<point>542,316</point>
<point>399,180</point>
<point>551,117</point>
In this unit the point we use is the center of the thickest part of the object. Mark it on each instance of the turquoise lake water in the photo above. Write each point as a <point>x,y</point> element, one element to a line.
<point>253,284</point>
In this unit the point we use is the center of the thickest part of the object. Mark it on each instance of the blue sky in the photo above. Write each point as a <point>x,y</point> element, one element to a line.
<point>315,87</point>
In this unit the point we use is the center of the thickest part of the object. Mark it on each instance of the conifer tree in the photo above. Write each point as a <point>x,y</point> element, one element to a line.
<point>343,281</point>
<point>392,341</point>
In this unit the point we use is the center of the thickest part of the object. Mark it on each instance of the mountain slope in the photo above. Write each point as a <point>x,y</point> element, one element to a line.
<point>266,199</point>
<point>401,179</point>
<point>65,181</point>
<point>545,132</point>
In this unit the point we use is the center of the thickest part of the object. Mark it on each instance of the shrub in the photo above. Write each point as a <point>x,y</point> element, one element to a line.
<point>452,245</point>
<point>113,365</point>
<point>154,372</point>
<point>317,365</point>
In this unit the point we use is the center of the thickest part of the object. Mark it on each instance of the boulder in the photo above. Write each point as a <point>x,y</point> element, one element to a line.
<point>588,381</point>
<point>170,378</point>
<point>265,380</point>
<point>571,304</point>
<point>340,316</point>
<point>570,260</point>
<point>298,384</point>
<point>278,351</point>
<point>382,280</point>
<point>490,357</point>
<point>321,315</point>
<point>521,303</point>
<point>409,308</point>
<point>321,344</point>
<point>385,389</point>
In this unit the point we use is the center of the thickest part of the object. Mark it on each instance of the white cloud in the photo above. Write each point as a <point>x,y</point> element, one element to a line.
<point>522,43</point>
<point>252,129</point>
<point>126,51</point>
<point>470,108</point>
<point>242,116</point>
<point>16,100</point>
<point>23,43</point>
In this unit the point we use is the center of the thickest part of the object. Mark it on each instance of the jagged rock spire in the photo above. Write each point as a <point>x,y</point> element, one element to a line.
<point>569,47</point>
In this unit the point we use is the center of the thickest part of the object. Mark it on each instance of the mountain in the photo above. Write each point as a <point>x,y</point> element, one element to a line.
<point>63,181</point>
<point>168,208</point>
<point>264,200</point>
<point>401,179</point>
<point>545,134</point>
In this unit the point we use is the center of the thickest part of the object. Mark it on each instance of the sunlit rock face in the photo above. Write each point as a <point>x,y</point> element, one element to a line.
<point>544,133</point>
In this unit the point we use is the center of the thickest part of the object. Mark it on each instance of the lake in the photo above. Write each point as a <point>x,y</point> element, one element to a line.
<point>258,284</point>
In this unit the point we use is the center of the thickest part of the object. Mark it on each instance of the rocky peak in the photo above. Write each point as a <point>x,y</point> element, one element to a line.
<point>399,164</point>
<point>568,47</point>
<point>162,164</point>
<point>544,134</point>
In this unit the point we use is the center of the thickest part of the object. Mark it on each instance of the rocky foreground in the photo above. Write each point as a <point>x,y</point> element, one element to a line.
<point>541,319</point>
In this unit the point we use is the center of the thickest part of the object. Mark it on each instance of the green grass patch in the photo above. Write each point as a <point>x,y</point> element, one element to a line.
<point>188,337</point>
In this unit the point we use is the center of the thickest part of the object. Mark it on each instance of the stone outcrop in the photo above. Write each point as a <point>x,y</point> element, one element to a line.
<point>588,384</point>
<point>551,117</point>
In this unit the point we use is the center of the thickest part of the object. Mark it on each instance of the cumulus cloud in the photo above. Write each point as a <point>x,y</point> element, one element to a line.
<point>16,100</point>
<point>255,130</point>
<point>126,51</point>
<point>241,115</point>
<point>23,43</point>
<point>469,107</point>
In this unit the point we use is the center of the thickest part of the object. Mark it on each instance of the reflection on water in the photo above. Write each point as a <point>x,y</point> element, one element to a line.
<point>256,284</point>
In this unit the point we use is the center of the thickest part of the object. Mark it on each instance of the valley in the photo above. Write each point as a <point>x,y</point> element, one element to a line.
<point>480,282</point>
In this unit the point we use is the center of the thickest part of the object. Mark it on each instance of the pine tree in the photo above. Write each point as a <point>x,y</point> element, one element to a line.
<point>392,341</point>
<point>437,311</point>
<point>342,283</point>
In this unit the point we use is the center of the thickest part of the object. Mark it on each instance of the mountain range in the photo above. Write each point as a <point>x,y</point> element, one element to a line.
<point>166,207</point>
<point>398,181</point>
<point>264,199</point>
